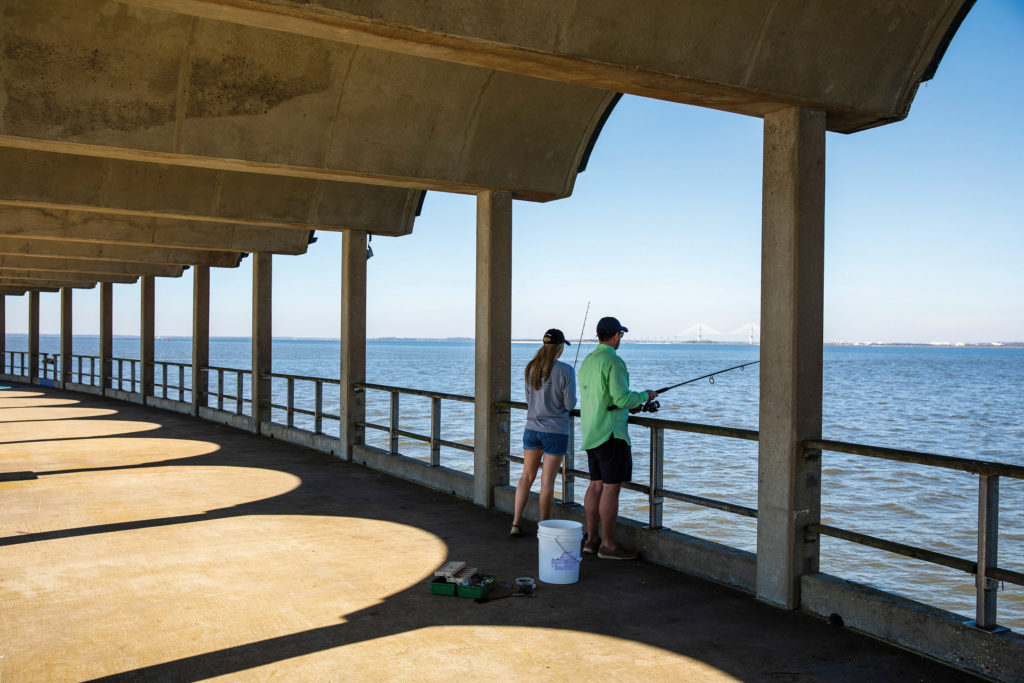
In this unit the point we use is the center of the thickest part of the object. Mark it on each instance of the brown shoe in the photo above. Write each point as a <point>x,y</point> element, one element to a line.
<point>606,553</point>
<point>590,547</point>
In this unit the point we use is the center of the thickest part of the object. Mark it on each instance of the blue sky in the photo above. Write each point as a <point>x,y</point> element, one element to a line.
<point>924,230</point>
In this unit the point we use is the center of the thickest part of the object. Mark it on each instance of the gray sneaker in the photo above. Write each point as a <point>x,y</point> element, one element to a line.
<point>606,553</point>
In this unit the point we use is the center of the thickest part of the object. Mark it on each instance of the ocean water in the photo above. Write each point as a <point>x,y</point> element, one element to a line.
<point>965,402</point>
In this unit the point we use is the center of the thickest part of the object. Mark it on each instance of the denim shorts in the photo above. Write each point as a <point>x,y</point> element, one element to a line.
<point>550,443</point>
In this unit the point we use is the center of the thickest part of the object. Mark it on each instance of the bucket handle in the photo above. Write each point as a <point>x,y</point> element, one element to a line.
<point>567,552</point>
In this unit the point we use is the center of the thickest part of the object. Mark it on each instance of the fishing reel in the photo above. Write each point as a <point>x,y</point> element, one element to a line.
<point>649,407</point>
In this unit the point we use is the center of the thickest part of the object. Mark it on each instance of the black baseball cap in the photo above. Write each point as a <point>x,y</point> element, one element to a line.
<point>554,336</point>
<point>610,325</point>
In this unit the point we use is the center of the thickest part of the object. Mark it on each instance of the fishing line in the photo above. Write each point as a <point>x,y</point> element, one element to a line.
<point>581,336</point>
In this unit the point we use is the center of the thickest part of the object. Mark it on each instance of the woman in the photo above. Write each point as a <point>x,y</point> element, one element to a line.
<point>550,395</point>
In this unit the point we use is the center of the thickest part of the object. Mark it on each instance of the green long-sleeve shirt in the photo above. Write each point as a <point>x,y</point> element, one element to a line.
<point>603,382</point>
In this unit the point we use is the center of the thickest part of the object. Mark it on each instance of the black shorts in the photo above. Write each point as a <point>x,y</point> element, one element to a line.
<point>611,462</point>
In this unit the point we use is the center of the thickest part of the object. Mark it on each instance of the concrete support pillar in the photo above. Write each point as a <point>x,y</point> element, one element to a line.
<point>261,330</point>
<point>147,335</point>
<point>65,334</point>
<point>3,334</point>
<point>106,334</point>
<point>200,336</point>
<point>353,340</point>
<point>33,337</point>
<point>792,279</point>
<point>493,343</point>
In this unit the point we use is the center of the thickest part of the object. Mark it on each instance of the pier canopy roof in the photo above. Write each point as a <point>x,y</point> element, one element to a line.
<point>191,131</point>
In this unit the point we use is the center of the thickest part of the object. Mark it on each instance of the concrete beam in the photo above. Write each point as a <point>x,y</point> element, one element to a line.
<point>792,294</point>
<point>23,274</point>
<point>745,57</point>
<point>164,88</point>
<point>84,226</point>
<point>94,251</point>
<point>493,343</point>
<point>53,181</point>
<point>45,285</point>
<point>19,291</point>
<point>42,263</point>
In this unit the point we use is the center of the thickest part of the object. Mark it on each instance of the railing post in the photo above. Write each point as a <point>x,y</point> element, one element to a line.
<point>80,370</point>
<point>435,432</point>
<point>181,382</point>
<point>239,405</point>
<point>163,374</point>
<point>318,408</point>
<point>133,376</point>
<point>220,389</point>
<point>656,501</point>
<point>393,432</point>
<point>92,371</point>
<point>291,402</point>
<point>568,465</point>
<point>988,549</point>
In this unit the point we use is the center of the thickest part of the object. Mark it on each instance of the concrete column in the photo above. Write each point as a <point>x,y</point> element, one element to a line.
<point>261,331</point>
<point>200,336</point>
<point>792,279</point>
<point>33,337</point>
<point>353,340</point>
<point>65,334</point>
<point>3,334</point>
<point>106,334</point>
<point>147,333</point>
<point>493,343</point>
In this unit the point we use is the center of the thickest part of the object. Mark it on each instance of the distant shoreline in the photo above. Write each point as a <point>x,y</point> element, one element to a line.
<point>469,340</point>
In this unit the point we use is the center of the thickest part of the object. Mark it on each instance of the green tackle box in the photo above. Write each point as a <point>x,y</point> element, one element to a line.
<point>441,586</point>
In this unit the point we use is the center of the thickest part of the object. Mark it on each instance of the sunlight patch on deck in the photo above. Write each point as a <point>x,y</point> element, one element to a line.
<point>6,402</point>
<point>34,414</point>
<point>141,598</point>
<point>45,430</point>
<point>57,457</point>
<point>493,653</point>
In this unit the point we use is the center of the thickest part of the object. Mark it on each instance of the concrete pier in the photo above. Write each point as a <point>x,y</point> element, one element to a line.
<point>145,545</point>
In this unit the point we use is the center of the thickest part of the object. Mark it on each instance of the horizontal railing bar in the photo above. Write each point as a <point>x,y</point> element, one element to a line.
<point>418,392</point>
<point>241,370</point>
<point>692,427</point>
<point>1005,575</point>
<point>898,548</point>
<point>300,411</point>
<point>944,461</point>
<point>708,502</point>
<point>304,378</point>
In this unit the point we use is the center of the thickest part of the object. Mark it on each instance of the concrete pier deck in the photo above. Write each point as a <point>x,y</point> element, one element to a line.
<point>137,544</point>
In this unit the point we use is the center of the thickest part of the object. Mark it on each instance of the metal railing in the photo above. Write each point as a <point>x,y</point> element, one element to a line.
<point>238,397</point>
<point>317,413</point>
<point>984,567</point>
<point>395,431</point>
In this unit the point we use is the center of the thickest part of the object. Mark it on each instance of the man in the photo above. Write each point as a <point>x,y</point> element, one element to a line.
<point>604,383</point>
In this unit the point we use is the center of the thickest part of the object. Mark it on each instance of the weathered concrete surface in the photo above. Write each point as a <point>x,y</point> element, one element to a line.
<point>860,62</point>
<point>86,226</point>
<point>150,546</point>
<point>99,78</point>
<point>48,180</point>
<point>42,263</point>
<point>118,252</point>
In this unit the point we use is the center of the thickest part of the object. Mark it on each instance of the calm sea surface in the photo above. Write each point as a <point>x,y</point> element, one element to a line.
<point>952,401</point>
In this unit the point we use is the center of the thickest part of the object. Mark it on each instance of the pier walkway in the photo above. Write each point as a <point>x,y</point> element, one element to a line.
<point>138,544</point>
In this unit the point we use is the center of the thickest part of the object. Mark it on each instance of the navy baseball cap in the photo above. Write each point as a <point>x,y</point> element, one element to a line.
<point>555,336</point>
<point>610,325</point>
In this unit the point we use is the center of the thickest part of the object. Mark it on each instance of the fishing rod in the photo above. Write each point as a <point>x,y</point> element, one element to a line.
<point>581,336</point>
<point>653,405</point>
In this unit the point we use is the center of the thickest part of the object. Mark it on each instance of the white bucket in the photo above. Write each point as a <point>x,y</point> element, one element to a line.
<point>559,543</point>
